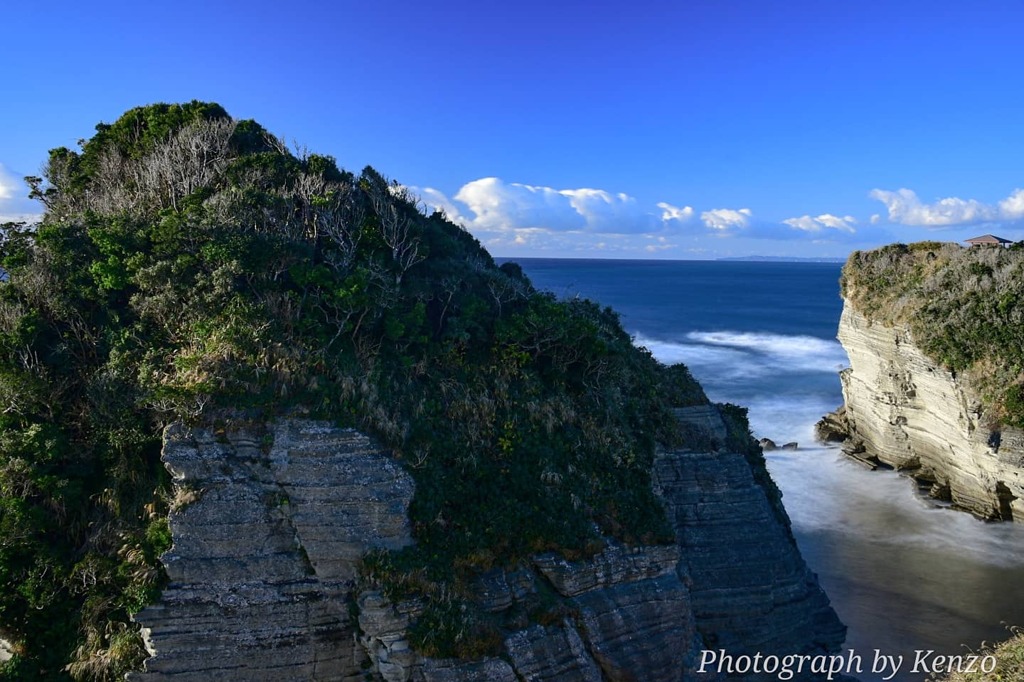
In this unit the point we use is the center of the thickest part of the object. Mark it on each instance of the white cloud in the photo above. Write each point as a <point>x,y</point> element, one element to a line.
<point>490,205</point>
<point>905,208</point>
<point>725,219</point>
<point>660,244</point>
<point>8,217</point>
<point>670,212</point>
<point>844,223</point>
<point>14,203</point>
<point>521,219</point>
<point>805,223</point>
<point>7,185</point>
<point>1012,207</point>
<point>610,214</point>
<point>825,220</point>
<point>499,206</point>
<point>437,201</point>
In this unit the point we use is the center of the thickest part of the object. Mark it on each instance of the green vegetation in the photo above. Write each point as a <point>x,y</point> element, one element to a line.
<point>1009,662</point>
<point>190,267</point>
<point>964,308</point>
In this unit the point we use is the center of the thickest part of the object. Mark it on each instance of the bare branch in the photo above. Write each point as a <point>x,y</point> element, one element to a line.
<point>395,227</point>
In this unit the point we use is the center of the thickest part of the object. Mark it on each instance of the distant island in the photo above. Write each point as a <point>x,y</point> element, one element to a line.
<point>781,259</point>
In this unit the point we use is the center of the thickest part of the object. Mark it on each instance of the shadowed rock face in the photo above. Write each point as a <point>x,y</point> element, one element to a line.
<point>633,609</point>
<point>905,411</point>
<point>751,590</point>
<point>632,621</point>
<point>264,559</point>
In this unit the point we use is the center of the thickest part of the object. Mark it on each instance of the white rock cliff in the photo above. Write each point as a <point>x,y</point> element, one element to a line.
<point>904,410</point>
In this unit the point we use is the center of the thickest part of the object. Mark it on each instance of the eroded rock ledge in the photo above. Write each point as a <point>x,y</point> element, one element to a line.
<point>905,411</point>
<point>272,523</point>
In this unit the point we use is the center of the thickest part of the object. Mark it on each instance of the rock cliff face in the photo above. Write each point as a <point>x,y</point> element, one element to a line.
<point>905,411</point>
<point>751,590</point>
<point>265,549</point>
<point>272,523</point>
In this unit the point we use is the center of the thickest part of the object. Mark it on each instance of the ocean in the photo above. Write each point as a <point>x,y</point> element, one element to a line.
<point>904,573</point>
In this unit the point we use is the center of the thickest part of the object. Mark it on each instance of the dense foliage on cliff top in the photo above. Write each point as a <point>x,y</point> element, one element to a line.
<point>963,306</point>
<point>190,265</point>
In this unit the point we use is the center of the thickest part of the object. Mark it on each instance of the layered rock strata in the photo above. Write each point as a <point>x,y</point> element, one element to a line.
<point>272,525</point>
<point>265,551</point>
<point>903,410</point>
<point>751,591</point>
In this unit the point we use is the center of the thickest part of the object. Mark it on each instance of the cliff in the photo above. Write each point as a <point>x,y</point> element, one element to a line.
<point>934,365</point>
<point>273,519</point>
<point>400,459</point>
<point>266,549</point>
<point>904,410</point>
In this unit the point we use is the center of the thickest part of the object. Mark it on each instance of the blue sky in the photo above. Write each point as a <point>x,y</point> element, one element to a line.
<point>592,129</point>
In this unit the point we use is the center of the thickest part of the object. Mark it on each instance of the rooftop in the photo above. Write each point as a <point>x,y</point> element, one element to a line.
<point>987,239</point>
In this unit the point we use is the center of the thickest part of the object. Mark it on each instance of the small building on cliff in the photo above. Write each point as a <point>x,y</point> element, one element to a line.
<point>988,240</point>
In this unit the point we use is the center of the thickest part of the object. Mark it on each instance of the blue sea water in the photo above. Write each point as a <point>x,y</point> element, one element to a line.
<point>905,574</point>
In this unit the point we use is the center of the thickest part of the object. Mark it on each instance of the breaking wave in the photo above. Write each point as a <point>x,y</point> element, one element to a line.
<point>745,355</point>
<point>787,382</point>
<point>799,353</point>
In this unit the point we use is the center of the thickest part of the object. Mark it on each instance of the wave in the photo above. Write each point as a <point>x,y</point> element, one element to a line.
<point>798,353</point>
<point>696,356</point>
<point>748,354</point>
<point>786,381</point>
